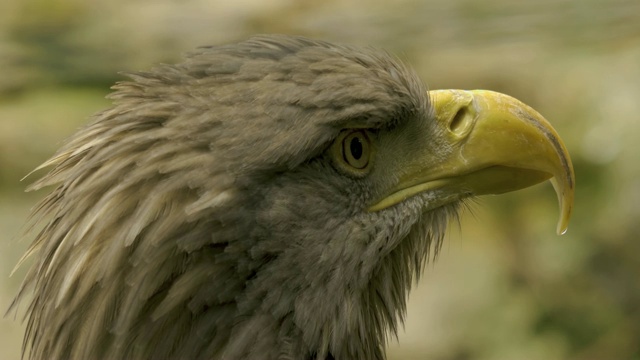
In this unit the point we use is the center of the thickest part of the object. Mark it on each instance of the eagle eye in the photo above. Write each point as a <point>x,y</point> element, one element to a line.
<point>353,152</point>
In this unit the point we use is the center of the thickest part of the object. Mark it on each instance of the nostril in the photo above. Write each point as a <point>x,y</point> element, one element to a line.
<point>457,123</point>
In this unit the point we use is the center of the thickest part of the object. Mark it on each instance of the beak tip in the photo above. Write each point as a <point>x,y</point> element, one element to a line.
<point>566,208</point>
<point>562,228</point>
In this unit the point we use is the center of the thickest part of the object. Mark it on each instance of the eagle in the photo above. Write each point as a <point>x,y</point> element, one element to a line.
<point>269,199</point>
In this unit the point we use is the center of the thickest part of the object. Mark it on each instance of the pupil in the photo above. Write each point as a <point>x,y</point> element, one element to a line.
<point>356,148</point>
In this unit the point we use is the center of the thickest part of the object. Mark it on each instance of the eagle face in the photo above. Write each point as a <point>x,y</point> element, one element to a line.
<point>268,199</point>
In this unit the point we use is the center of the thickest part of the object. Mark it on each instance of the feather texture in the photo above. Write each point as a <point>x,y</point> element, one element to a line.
<point>200,216</point>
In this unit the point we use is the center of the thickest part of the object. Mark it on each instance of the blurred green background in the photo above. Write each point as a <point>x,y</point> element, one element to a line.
<point>505,286</point>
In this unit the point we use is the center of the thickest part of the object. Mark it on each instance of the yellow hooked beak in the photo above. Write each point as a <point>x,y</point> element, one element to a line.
<point>498,144</point>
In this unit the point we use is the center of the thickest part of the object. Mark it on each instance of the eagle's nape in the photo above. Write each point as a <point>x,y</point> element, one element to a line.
<point>273,198</point>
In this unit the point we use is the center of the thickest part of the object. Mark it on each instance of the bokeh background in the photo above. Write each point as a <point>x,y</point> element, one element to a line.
<point>505,286</point>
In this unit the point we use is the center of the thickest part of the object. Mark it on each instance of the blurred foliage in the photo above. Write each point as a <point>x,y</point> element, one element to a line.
<point>505,287</point>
